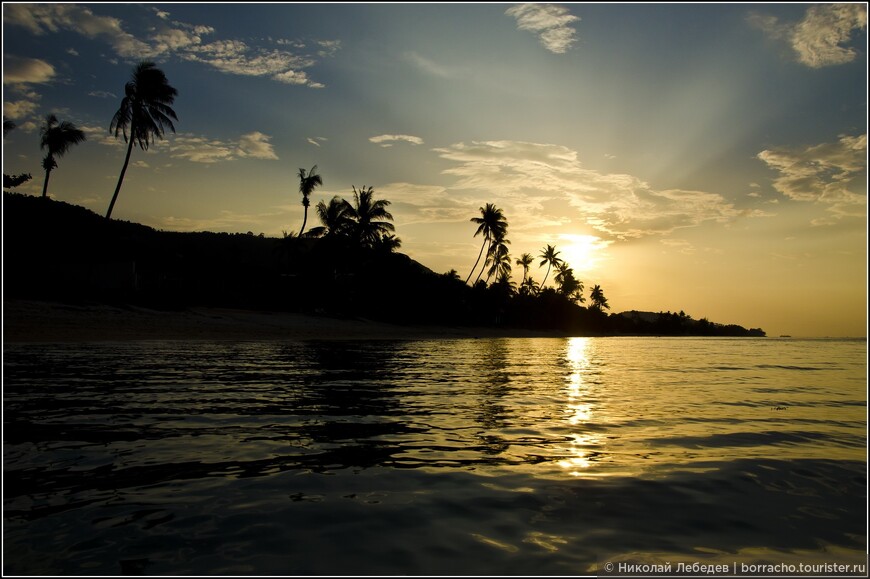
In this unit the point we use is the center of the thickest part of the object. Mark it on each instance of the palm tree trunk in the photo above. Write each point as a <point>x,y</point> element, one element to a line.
<point>304,221</point>
<point>545,275</point>
<point>45,184</point>
<point>121,178</point>
<point>483,267</point>
<point>471,273</point>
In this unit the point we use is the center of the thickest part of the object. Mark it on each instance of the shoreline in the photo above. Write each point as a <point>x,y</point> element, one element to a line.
<point>32,321</point>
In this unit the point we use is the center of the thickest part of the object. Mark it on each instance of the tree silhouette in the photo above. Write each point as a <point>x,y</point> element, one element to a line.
<point>569,286</point>
<point>370,217</point>
<point>596,296</point>
<point>524,261</point>
<point>492,224</point>
<point>7,126</point>
<point>335,217</point>
<point>145,112</point>
<point>551,258</point>
<point>499,260</point>
<point>56,138</point>
<point>307,183</point>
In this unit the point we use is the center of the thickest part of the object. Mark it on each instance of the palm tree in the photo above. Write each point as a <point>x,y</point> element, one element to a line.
<point>57,138</point>
<point>307,183</point>
<point>529,287</point>
<point>569,286</point>
<point>525,261</point>
<point>499,260</point>
<point>145,112</point>
<point>335,217</point>
<point>7,126</point>
<point>491,223</point>
<point>599,302</point>
<point>370,217</point>
<point>551,257</point>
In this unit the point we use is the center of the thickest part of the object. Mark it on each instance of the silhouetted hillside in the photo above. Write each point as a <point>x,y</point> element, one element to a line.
<point>57,251</point>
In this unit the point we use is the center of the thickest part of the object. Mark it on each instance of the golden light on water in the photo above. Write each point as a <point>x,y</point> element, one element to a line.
<point>579,410</point>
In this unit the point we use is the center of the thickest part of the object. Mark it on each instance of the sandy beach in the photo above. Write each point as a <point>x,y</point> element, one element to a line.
<point>44,322</point>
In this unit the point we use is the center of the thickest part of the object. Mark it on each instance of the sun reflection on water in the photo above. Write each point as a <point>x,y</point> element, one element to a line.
<point>584,446</point>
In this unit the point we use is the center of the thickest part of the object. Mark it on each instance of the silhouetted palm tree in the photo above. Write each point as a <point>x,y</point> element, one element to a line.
<point>370,217</point>
<point>7,126</point>
<point>597,298</point>
<point>529,287</point>
<point>491,223</point>
<point>335,217</point>
<point>56,138</point>
<point>525,261</point>
<point>551,257</point>
<point>307,183</point>
<point>145,111</point>
<point>569,286</point>
<point>499,260</point>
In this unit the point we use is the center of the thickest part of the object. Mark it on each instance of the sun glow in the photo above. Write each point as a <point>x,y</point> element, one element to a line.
<point>583,253</point>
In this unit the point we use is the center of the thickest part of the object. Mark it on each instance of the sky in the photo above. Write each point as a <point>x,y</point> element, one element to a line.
<point>709,158</point>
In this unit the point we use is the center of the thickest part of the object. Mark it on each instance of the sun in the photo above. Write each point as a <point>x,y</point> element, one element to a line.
<point>582,252</point>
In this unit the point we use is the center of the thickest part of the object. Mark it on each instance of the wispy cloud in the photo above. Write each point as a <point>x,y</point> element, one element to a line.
<point>256,145</point>
<point>388,140</point>
<point>535,176</point>
<point>834,174</point>
<point>549,21</point>
<point>316,140</point>
<point>429,66</point>
<point>102,94</point>
<point>818,39</point>
<point>172,39</point>
<point>198,149</point>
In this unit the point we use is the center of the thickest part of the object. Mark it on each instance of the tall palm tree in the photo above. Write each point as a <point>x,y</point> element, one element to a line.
<point>525,261</point>
<point>370,216</point>
<point>145,112</point>
<point>597,298</point>
<point>551,257</point>
<point>56,138</point>
<point>307,183</point>
<point>491,223</point>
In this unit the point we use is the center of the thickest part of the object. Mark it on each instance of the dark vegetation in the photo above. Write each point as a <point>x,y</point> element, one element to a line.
<point>62,252</point>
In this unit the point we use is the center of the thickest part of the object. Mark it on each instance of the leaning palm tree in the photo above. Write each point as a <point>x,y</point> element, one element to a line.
<point>525,261</point>
<point>491,223</point>
<point>307,183</point>
<point>56,138</point>
<point>145,112</point>
<point>370,217</point>
<point>551,257</point>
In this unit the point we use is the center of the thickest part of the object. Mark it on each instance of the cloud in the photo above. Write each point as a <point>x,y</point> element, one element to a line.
<point>102,94</point>
<point>387,140</point>
<point>549,21</point>
<point>834,174</point>
<point>15,110</point>
<point>539,179</point>
<point>316,140</point>
<point>818,39</point>
<point>256,145</point>
<point>198,149</point>
<point>171,39</point>
<point>20,70</point>
<point>72,51</point>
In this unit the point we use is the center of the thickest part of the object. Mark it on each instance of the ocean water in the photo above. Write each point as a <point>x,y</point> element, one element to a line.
<point>444,457</point>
